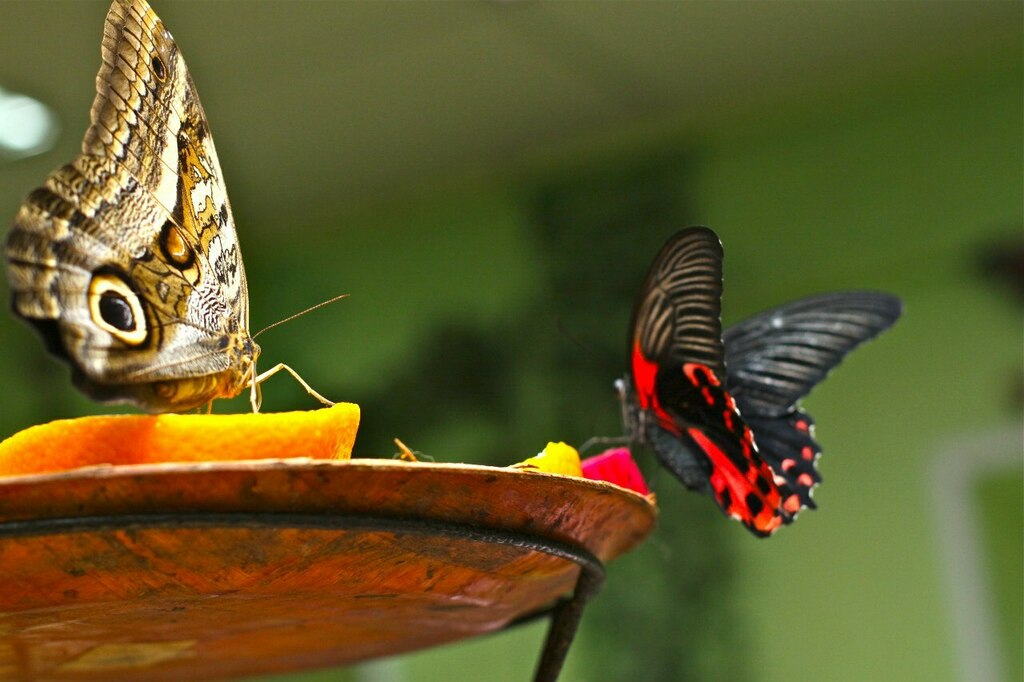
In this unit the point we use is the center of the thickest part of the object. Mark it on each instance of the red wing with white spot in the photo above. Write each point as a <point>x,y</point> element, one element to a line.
<point>683,410</point>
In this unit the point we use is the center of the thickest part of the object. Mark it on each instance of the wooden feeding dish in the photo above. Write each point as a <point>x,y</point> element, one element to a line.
<point>213,570</point>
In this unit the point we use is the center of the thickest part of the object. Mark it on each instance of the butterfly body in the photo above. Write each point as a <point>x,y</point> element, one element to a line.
<point>720,411</point>
<point>127,260</point>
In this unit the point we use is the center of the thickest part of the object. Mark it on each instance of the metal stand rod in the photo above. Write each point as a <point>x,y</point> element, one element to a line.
<point>565,620</point>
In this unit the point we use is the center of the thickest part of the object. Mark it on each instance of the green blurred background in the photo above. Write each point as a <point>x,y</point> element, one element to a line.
<point>488,180</point>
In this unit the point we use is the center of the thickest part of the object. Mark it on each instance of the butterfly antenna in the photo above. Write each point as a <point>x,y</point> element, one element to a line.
<point>300,314</point>
<point>572,339</point>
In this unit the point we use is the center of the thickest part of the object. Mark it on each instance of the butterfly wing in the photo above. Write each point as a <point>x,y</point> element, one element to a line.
<point>684,411</point>
<point>126,259</point>
<point>677,318</point>
<point>775,358</point>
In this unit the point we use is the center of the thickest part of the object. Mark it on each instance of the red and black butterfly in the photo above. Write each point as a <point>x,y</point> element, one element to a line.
<point>720,411</point>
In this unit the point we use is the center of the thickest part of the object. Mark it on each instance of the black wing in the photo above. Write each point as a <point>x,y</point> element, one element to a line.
<point>775,358</point>
<point>677,317</point>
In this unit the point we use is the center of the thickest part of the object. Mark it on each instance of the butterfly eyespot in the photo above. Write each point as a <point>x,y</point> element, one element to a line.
<point>116,311</point>
<point>175,249</point>
<point>159,70</point>
<point>116,308</point>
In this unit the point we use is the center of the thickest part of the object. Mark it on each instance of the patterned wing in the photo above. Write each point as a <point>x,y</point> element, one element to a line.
<point>775,358</point>
<point>126,259</point>
<point>684,411</point>
<point>677,318</point>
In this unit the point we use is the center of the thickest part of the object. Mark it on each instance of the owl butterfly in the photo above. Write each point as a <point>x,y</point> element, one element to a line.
<point>721,411</point>
<point>126,260</point>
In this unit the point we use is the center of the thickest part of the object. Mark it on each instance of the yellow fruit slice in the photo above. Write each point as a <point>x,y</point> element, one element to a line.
<point>556,458</point>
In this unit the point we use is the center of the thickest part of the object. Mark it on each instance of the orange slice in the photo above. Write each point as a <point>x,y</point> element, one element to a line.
<point>328,433</point>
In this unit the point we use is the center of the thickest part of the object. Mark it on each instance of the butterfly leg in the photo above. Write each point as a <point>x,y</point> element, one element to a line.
<point>603,440</point>
<point>256,394</point>
<point>629,419</point>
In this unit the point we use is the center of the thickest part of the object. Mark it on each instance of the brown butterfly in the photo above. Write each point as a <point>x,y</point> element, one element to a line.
<point>126,260</point>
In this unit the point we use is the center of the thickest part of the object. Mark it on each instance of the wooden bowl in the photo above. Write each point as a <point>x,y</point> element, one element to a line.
<point>213,570</point>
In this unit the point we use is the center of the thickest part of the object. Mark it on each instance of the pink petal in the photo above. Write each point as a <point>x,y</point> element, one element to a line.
<point>615,466</point>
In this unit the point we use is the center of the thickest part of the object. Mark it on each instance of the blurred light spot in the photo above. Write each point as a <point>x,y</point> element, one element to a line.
<point>27,126</point>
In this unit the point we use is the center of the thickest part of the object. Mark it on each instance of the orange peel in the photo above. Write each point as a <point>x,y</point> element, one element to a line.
<point>64,444</point>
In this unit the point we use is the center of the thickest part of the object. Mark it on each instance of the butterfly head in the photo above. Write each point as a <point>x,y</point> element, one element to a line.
<point>633,416</point>
<point>185,393</point>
